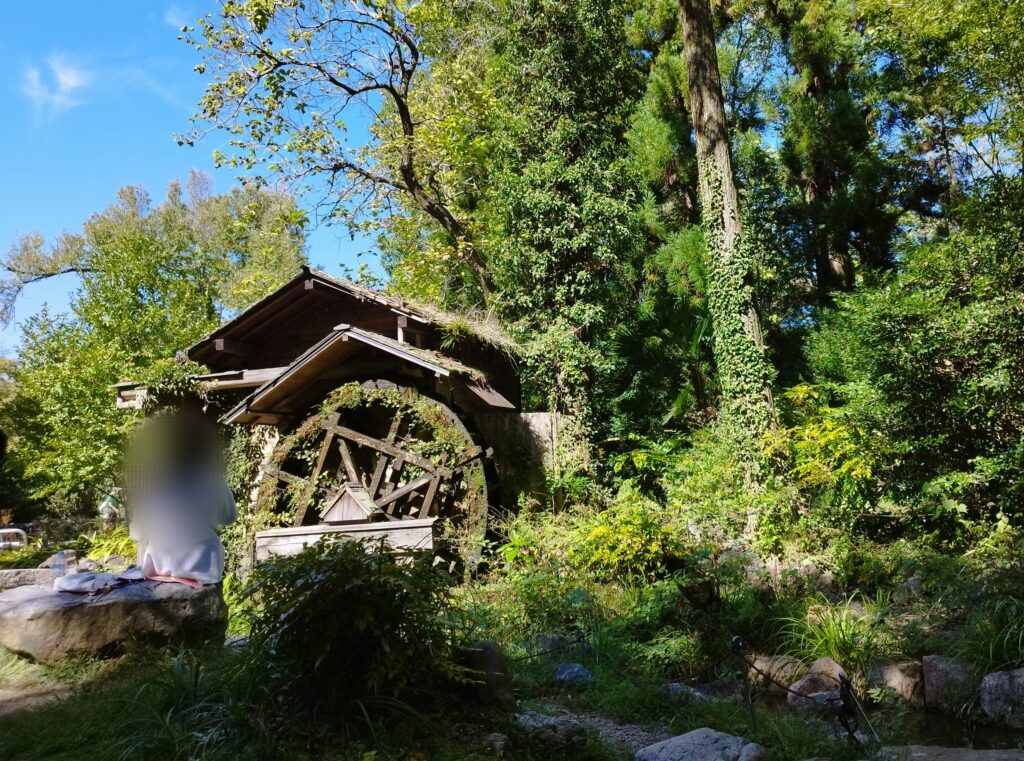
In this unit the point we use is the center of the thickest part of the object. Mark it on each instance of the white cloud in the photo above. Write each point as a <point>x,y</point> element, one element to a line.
<point>176,16</point>
<point>58,91</point>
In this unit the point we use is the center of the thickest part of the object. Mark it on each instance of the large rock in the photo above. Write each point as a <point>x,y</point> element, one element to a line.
<point>1002,697</point>
<point>553,731</point>
<point>904,679</point>
<point>46,625</point>
<point>818,689</point>
<point>573,675</point>
<point>771,671</point>
<point>492,684</point>
<point>947,684</point>
<point>21,577</point>
<point>703,745</point>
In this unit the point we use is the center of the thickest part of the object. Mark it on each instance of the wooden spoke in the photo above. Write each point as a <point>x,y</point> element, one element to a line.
<point>346,458</point>
<point>382,446</point>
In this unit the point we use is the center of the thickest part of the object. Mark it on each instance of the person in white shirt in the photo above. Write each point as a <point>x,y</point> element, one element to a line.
<point>178,498</point>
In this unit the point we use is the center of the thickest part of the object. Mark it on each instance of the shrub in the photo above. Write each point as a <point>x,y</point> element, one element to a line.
<point>345,625</point>
<point>634,539</point>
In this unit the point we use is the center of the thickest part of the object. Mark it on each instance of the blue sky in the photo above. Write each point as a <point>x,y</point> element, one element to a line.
<point>92,93</point>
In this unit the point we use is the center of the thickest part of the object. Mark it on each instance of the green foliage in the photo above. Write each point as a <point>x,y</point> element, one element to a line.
<point>825,449</point>
<point>634,539</point>
<point>925,364</point>
<point>153,280</point>
<point>852,632</point>
<point>112,543</point>
<point>343,628</point>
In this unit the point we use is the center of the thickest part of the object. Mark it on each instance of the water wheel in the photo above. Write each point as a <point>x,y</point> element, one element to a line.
<point>381,452</point>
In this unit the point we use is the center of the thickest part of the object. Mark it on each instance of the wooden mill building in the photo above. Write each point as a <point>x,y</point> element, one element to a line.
<point>435,437</point>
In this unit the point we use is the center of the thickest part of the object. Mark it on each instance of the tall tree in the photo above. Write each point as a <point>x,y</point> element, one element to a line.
<point>294,80</point>
<point>745,373</point>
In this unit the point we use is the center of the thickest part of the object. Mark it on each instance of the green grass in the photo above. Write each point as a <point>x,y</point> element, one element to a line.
<point>17,672</point>
<point>852,633</point>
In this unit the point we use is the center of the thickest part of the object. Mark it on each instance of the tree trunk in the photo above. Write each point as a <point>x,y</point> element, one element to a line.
<point>745,372</point>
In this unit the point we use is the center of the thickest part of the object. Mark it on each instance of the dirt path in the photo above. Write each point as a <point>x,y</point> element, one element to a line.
<point>625,738</point>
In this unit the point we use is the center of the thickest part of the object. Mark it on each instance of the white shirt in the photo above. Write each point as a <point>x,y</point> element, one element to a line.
<point>175,521</point>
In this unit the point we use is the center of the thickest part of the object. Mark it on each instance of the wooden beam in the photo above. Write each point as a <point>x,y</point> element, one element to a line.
<point>241,379</point>
<point>409,488</point>
<point>428,500</point>
<point>346,457</point>
<point>382,460</point>
<point>368,441</point>
<point>276,472</point>
<point>230,346</point>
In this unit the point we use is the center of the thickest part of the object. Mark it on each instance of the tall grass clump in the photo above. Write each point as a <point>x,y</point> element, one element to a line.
<point>852,632</point>
<point>992,638</point>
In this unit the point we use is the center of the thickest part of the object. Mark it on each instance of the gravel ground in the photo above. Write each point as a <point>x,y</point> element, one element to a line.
<point>626,738</point>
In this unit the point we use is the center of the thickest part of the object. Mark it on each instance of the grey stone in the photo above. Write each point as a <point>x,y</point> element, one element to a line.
<point>818,689</point>
<point>20,577</point>
<point>237,642</point>
<point>908,591</point>
<point>771,671</point>
<point>743,557</point>
<point>684,692</point>
<point>492,684</point>
<point>904,679</point>
<point>46,625</point>
<point>556,731</point>
<point>497,743</point>
<point>947,684</point>
<point>703,745</point>
<point>1002,697</point>
<point>722,688</point>
<point>573,675</point>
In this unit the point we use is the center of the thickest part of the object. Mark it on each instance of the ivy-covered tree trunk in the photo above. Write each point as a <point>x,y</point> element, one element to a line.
<point>744,370</point>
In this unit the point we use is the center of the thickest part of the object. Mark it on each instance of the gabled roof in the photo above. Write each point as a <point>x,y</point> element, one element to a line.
<point>295,387</point>
<point>291,300</point>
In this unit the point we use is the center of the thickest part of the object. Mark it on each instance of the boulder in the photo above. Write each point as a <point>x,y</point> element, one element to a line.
<point>818,689</point>
<point>20,577</point>
<point>947,684</point>
<point>46,625</point>
<point>770,671</point>
<point>1002,697</point>
<point>492,684</point>
<point>553,731</point>
<point>703,745</point>
<point>497,743</point>
<point>573,675</point>
<point>904,679</point>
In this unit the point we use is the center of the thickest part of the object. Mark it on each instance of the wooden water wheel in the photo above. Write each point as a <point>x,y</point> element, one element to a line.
<point>379,452</point>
